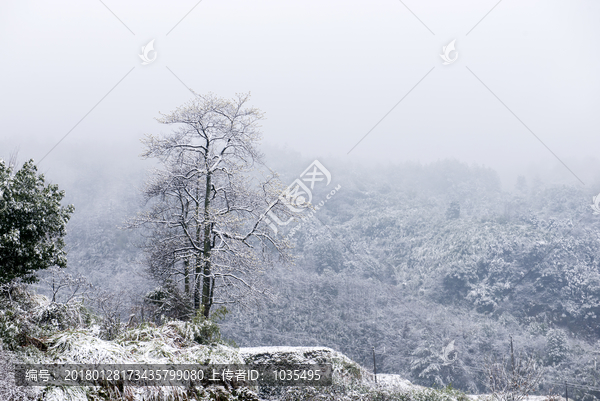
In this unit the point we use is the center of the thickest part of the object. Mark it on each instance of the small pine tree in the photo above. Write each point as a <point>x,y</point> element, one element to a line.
<point>557,348</point>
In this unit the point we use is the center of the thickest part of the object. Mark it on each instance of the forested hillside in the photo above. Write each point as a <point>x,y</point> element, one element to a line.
<point>435,266</point>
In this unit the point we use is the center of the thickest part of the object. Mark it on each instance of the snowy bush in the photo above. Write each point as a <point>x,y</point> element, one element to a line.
<point>10,328</point>
<point>201,329</point>
<point>168,301</point>
<point>58,317</point>
<point>25,317</point>
<point>513,378</point>
<point>82,346</point>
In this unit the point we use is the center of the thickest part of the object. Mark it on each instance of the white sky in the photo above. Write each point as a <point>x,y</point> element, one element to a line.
<point>325,72</point>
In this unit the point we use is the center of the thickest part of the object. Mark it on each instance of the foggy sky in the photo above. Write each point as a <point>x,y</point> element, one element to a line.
<point>324,72</point>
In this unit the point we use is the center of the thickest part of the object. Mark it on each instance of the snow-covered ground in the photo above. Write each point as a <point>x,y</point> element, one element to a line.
<point>396,382</point>
<point>177,342</point>
<point>308,355</point>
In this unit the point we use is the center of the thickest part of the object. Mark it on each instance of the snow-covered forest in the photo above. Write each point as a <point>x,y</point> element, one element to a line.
<point>433,267</point>
<point>411,258</point>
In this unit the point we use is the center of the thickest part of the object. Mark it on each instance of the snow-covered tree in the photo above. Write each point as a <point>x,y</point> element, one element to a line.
<point>207,223</point>
<point>32,223</point>
<point>557,347</point>
<point>514,378</point>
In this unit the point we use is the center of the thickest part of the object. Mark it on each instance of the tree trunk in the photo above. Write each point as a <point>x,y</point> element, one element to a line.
<point>186,275</point>
<point>206,279</point>
<point>197,285</point>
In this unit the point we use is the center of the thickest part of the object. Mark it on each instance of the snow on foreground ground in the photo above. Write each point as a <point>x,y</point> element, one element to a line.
<point>396,382</point>
<point>166,345</point>
<point>35,330</point>
<point>350,373</point>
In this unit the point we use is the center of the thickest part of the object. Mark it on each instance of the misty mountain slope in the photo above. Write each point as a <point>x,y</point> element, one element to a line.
<point>387,263</point>
<point>391,266</point>
<point>547,254</point>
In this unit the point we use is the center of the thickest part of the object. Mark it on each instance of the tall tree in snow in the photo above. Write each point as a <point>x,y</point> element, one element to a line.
<point>207,228</point>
